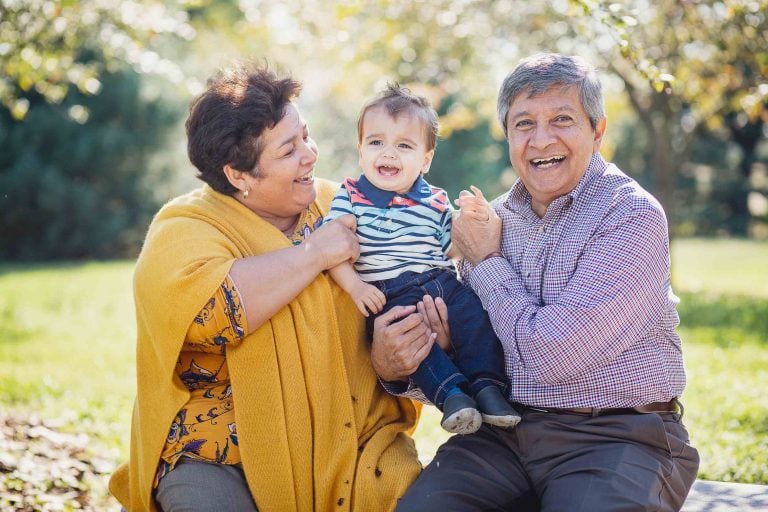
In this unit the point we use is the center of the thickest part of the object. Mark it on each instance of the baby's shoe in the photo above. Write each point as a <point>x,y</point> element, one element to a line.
<point>495,409</point>
<point>460,415</point>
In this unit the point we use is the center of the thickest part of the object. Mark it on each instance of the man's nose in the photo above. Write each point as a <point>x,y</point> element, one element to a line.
<point>542,136</point>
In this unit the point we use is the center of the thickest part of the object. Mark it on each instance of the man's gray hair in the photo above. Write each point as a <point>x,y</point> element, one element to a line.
<point>539,72</point>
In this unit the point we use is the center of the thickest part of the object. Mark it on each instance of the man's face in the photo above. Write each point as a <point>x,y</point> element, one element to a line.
<point>551,142</point>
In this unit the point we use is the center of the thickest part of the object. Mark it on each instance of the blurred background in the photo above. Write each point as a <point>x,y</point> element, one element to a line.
<point>95,92</point>
<point>93,98</point>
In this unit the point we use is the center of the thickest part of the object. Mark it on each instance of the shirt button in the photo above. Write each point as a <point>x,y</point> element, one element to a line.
<point>542,229</point>
<point>528,274</point>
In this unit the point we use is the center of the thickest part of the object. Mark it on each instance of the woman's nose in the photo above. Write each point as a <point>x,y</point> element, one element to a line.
<point>311,151</point>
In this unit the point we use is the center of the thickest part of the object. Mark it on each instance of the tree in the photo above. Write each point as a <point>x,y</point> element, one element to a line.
<point>79,125</point>
<point>72,190</point>
<point>453,51</point>
<point>688,74</point>
<point>42,43</point>
<point>691,70</point>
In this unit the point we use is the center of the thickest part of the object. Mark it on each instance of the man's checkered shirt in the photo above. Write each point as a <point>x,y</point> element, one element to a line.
<point>582,300</point>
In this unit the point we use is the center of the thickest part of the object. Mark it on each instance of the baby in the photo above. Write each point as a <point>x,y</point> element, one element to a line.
<point>404,228</point>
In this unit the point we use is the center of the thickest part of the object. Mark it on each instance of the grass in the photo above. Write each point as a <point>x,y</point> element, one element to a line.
<point>721,266</point>
<point>67,343</point>
<point>726,402</point>
<point>724,324</point>
<point>67,352</point>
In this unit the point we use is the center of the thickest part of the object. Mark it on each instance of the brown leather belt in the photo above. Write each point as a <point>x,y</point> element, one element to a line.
<point>673,406</point>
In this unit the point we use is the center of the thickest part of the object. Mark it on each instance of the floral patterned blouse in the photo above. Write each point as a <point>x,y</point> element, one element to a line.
<point>204,429</point>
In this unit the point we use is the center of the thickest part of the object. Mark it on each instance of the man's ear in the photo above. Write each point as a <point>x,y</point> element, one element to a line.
<point>599,132</point>
<point>236,178</point>
<point>427,161</point>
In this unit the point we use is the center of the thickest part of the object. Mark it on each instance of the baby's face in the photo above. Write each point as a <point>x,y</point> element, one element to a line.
<point>393,152</point>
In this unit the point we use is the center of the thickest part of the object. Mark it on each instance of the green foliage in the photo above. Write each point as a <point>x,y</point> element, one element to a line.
<point>469,157</point>
<point>696,145</point>
<point>74,188</point>
<point>712,188</point>
<point>694,72</point>
<point>42,43</point>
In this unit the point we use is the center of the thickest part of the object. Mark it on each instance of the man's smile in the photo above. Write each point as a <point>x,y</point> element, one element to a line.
<point>545,163</point>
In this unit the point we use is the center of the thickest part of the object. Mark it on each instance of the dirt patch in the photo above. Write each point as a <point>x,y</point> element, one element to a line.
<point>45,467</point>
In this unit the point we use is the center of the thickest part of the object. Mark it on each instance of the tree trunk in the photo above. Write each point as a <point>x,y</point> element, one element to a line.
<point>747,137</point>
<point>663,170</point>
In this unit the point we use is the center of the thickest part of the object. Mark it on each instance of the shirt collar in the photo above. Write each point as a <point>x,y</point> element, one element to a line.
<point>519,199</point>
<point>382,198</point>
<point>595,168</point>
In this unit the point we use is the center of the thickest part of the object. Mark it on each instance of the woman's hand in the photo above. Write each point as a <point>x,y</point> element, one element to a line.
<point>435,314</point>
<point>476,229</point>
<point>401,341</point>
<point>334,242</point>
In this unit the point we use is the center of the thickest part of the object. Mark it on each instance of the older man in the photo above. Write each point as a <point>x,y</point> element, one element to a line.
<point>572,265</point>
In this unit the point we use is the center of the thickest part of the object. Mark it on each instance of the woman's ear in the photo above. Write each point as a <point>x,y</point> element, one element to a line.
<point>236,178</point>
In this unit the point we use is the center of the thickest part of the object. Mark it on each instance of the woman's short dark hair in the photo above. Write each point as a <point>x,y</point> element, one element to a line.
<point>227,120</point>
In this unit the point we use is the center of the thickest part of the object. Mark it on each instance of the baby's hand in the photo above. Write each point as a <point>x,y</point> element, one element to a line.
<point>367,297</point>
<point>474,203</point>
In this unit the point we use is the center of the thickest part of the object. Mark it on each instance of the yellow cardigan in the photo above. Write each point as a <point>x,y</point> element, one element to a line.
<point>316,431</point>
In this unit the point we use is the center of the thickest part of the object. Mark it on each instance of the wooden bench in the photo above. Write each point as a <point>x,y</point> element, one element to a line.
<point>707,496</point>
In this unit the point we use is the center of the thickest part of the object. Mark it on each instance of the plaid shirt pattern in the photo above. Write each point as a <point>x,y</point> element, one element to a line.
<point>582,301</point>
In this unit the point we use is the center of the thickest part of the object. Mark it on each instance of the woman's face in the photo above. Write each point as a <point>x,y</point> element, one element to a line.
<point>284,184</point>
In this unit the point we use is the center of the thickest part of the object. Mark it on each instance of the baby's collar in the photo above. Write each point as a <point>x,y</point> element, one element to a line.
<point>382,198</point>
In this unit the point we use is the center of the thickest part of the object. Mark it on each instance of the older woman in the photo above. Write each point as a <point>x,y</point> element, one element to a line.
<point>255,387</point>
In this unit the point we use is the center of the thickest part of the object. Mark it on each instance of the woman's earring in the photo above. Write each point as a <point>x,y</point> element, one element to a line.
<point>245,194</point>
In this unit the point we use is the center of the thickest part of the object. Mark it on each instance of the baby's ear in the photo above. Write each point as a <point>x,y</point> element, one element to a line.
<point>427,161</point>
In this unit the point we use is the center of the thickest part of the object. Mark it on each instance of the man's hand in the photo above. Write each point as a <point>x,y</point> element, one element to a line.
<point>476,230</point>
<point>401,341</point>
<point>367,297</point>
<point>435,314</point>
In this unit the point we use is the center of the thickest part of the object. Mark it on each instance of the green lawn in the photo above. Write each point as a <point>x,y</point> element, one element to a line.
<point>67,343</point>
<point>722,266</point>
<point>67,352</point>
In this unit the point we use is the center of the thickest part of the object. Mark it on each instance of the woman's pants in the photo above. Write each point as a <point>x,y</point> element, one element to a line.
<point>200,486</point>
